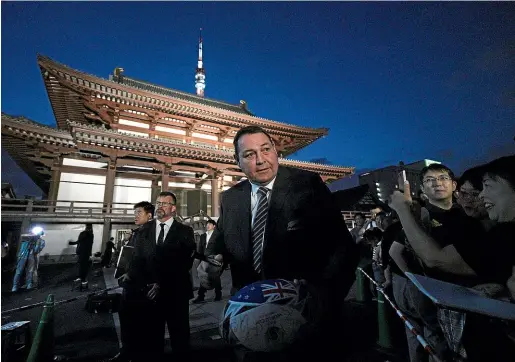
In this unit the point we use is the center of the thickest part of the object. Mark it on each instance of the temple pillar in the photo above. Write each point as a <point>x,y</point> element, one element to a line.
<point>165,177</point>
<point>109,186</point>
<point>54,184</point>
<point>108,201</point>
<point>215,197</point>
<point>155,190</point>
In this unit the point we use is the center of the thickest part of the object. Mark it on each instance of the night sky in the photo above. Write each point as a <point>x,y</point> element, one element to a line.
<point>392,81</point>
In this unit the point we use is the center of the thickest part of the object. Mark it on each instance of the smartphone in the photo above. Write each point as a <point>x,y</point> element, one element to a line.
<point>401,179</point>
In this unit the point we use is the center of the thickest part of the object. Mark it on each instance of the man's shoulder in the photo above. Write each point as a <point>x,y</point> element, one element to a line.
<point>235,191</point>
<point>182,227</point>
<point>145,227</point>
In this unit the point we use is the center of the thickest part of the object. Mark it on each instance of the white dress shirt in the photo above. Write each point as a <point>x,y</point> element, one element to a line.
<point>208,236</point>
<point>254,197</point>
<point>168,224</point>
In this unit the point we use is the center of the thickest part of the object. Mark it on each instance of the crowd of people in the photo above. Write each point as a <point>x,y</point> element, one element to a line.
<point>460,231</point>
<point>283,222</point>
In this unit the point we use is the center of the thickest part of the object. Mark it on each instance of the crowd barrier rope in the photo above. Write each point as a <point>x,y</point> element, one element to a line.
<point>384,339</point>
<point>82,296</point>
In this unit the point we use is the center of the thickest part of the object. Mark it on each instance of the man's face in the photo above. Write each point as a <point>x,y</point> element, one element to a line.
<point>499,199</point>
<point>438,185</point>
<point>359,220</point>
<point>165,207</point>
<point>468,199</point>
<point>382,221</point>
<point>210,226</point>
<point>141,216</point>
<point>257,158</point>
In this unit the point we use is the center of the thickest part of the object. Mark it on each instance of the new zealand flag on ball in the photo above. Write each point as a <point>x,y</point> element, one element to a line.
<point>263,316</point>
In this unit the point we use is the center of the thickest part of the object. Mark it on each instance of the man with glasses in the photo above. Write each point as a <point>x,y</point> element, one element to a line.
<point>161,264</point>
<point>447,224</point>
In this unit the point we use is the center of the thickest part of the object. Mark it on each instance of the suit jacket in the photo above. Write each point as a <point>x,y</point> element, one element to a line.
<point>168,264</point>
<point>305,237</point>
<point>210,250</point>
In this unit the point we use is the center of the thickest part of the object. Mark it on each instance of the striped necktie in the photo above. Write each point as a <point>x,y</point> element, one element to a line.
<point>258,229</point>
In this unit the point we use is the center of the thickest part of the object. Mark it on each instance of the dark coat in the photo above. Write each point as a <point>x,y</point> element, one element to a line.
<point>305,238</point>
<point>168,264</point>
<point>84,244</point>
<point>210,250</point>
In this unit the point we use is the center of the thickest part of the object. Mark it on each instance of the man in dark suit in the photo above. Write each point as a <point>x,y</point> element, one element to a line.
<point>134,304</point>
<point>162,262</point>
<point>283,223</point>
<point>206,247</point>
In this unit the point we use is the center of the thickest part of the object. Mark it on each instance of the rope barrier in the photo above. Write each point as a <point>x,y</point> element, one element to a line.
<point>65,301</point>
<point>407,323</point>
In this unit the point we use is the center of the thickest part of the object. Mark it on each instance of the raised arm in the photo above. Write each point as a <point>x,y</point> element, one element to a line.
<point>427,249</point>
<point>397,253</point>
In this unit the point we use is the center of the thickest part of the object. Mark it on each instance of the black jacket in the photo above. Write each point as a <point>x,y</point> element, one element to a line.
<point>210,250</point>
<point>167,264</point>
<point>84,244</point>
<point>305,238</point>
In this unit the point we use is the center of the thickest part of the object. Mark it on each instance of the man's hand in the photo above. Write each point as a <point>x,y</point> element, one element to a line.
<point>219,258</point>
<point>387,284</point>
<point>124,278</point>
<point>153,292</point>
<point>401,201</point>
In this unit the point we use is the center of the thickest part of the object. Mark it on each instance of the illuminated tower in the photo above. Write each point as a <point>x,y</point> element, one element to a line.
<point>200,75</point>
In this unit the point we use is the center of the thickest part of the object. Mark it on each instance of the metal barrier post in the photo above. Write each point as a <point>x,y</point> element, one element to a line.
<point>383,322</point>
<point>42,349</point>
<point>363,294</point>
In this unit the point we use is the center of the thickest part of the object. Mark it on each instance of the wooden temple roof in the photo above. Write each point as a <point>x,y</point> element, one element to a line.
<point>190,97</point>
<point>26,141</point>
<point>82,98</point>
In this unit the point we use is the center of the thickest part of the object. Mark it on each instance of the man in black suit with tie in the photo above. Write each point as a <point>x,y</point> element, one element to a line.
<point>162,262</point>
<point>206,247</point>
<point>283,223</point>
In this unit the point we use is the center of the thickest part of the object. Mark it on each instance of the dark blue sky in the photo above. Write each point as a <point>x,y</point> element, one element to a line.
<point>392,81</point>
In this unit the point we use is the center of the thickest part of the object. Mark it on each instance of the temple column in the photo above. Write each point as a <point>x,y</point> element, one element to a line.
<point>165,177</point>
<point>108,201</point>
<point>215,196</point>
<point>155,190</point>
<point>54,183</point>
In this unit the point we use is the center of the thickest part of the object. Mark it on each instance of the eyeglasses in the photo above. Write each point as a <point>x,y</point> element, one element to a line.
<point>432,180</point>
<point>164,204</point>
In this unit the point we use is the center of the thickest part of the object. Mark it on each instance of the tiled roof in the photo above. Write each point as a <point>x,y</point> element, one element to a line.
<point>178,94</point>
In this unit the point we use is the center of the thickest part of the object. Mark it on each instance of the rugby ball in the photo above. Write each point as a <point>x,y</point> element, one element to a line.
<point>264,316</point>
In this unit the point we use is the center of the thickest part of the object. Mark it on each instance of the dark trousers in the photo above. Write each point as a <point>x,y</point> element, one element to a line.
<point>139,325</point>
<point>174,311</point>
<point>218,289</point>
<point>84,264</point>
<point>106,258</point>
<point>422,314</point>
